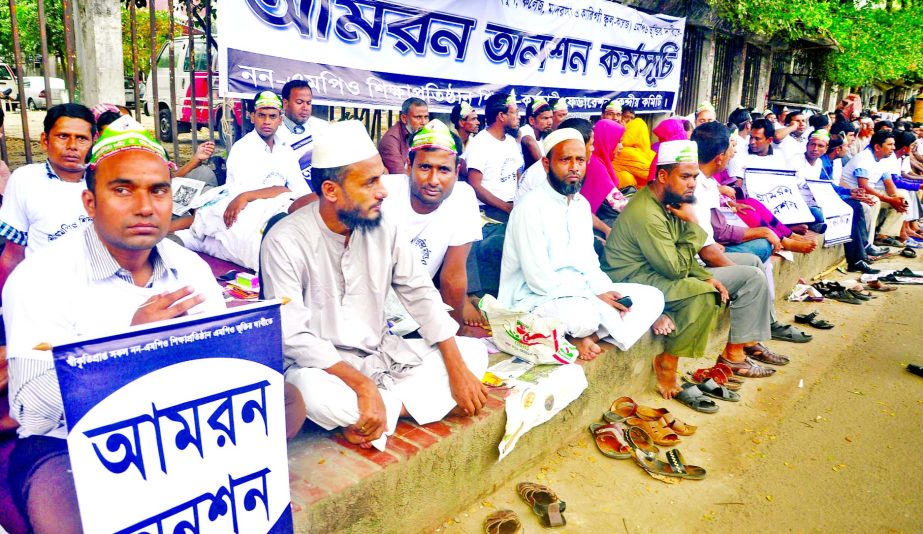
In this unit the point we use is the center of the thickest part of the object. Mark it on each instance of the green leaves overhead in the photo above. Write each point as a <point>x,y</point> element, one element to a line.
<point>875,41</point>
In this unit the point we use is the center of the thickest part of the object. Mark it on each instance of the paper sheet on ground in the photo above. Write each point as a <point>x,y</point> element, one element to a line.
<point>778,191</point>
<point>837,214</point>
<point>536,397</point>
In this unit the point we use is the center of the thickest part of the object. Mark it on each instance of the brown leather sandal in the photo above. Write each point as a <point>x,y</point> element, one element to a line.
<point>656,430</point>
<point>747,368</point>
<point>761,353</point>
<point>502,522</point>
<point>544,502</point>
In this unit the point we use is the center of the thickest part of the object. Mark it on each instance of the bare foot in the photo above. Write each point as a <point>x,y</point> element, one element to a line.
<point>663,325</point>
<point>798,245</point>
<point>667,381</point>
<point>799,228</point>
<point>587,347</point>
<point>353,436</point>
<point>472,315</point>
<point>473,331</point>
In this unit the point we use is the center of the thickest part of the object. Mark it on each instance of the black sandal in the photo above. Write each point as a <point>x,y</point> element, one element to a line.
<point>812,320</point>
<point>909,253</point>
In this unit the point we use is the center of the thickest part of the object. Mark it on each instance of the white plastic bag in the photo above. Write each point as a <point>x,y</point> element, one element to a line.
<point>538,340</point>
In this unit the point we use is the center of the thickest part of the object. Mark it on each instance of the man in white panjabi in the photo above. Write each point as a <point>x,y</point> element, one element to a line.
<point>336,260</point>
<point>551,269</point>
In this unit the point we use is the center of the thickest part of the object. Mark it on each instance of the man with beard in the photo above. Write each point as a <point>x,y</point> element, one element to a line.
<point>336,261</point>
<point>494,159</point>
<point>539,115</point>
<point>655,242</point>
<point>439,216</point>
<point>550,267</point>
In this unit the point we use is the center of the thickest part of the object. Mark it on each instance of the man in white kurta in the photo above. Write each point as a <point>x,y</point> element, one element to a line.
<point>336,260</point>
<point>550,267</point>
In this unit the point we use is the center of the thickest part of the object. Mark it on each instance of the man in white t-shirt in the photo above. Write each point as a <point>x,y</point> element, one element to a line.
<point>539,115</point>
<point>301,127</point>
<point>808,167</point>
<point>791,140</point>
<point>41,202</point>
<point>869,171</point>
<point>494,159</point>
<point>439,216</point>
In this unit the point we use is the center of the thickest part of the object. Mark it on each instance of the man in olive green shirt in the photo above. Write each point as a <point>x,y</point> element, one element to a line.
<point>655,242</point>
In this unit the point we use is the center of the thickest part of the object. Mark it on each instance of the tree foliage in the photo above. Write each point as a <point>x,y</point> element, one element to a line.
<point>874,41</point>
<point>143,32</point>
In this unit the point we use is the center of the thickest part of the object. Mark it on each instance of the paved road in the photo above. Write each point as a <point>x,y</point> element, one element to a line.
<point>840,454</point>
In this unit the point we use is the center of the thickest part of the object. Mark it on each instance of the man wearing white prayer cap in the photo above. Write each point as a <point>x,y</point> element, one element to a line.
<point>655,241</point>
<point>336,259</point>
<point>551,269</point>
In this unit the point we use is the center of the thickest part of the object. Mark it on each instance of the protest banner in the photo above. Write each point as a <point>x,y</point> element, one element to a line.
<point>837,214</point>
<point>778,191</point>
<point>378,53</point>
<point>180,426</point>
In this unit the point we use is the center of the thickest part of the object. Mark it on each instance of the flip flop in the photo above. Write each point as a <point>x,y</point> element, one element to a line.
<point>888,241</point>
<point>660,434</point>
<point>728,371</point>
<point>674,467</point>
<point>610,440</point>
<point>761,353</point>
<point>544,502</point>
<point>844,296</point>
<point>908,273</point>
<point>791,334</point>
<point>860,294</point>
<point>713,390</point>
<point>502,522</point>
<point>693,397</point>
<point>876,285</point>
<point>812,320</point>
<point>719,379</point>
<point>909,253</point>
<point>747,368</point>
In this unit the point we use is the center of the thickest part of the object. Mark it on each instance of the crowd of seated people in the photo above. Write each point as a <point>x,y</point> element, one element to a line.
<point>606,226</point>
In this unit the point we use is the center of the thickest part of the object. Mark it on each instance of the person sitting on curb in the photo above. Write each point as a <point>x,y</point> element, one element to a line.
<point>336,259</point>
<point>550,267</point>
<point>655,242</point>
<point>117,272</point>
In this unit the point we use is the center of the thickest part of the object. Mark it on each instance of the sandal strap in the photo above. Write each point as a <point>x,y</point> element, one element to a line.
<point>675,458</point>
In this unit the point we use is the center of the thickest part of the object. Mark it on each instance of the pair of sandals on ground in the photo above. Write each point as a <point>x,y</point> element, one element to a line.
<point>724,379</point>
<point>544,502</point>
<point>840,293</point>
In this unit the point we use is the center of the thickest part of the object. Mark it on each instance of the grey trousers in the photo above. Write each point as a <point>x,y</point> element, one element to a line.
<point>745,258</point>
<point>750,301</point>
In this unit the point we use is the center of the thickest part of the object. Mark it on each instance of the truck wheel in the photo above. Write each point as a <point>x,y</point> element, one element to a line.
<point>165,126</point>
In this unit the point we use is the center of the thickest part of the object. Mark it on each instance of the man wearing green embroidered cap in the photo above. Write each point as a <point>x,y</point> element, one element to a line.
<point>612,110</point>
<point>115,273</point>
<point>464,122</point>
<point>559,112</point>
<point>539,116</point>
<point>439,216</point>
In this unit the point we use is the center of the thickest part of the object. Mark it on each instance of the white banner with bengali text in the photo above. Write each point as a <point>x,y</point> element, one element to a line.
<point>374,53</point>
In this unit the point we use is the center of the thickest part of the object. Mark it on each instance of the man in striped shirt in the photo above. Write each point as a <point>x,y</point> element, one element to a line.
<point>115,273</point>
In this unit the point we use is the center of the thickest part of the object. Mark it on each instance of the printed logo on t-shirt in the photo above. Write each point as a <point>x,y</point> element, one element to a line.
<point>420,243</point>
<point>507,176</point>
<point>67,227</point>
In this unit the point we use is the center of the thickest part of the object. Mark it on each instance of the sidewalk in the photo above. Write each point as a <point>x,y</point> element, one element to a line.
<point>838,455</point>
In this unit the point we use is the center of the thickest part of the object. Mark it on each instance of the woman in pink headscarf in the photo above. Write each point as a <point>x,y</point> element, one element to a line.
<point>672,129</point>
<point>601,186</point>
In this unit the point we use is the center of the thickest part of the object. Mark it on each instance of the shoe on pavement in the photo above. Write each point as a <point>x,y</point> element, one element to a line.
<point>873,250</point>
<point>863,267</point>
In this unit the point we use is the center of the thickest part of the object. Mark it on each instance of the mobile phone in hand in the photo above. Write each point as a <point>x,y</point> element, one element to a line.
<point>625,301</point>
